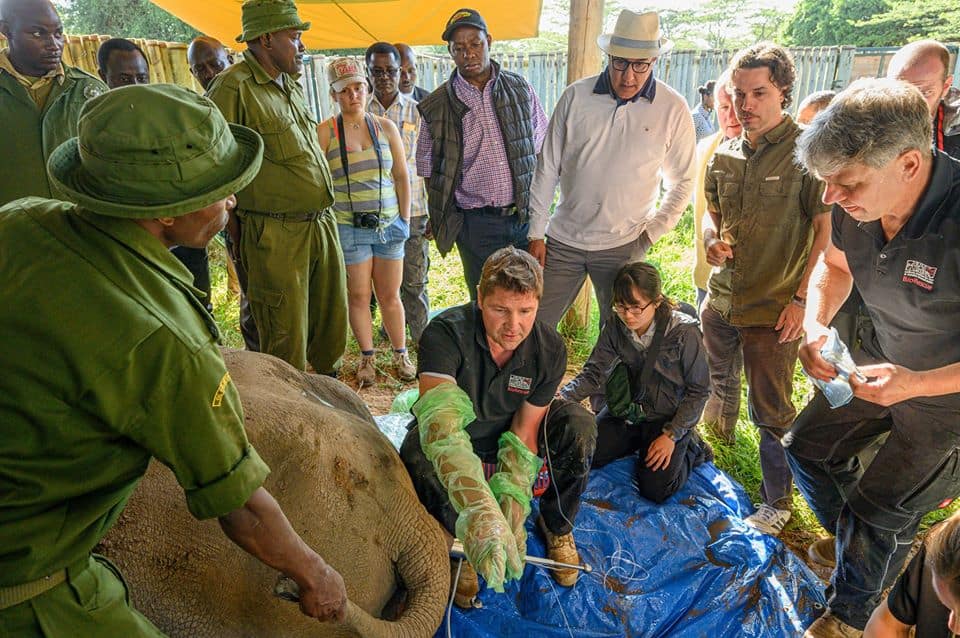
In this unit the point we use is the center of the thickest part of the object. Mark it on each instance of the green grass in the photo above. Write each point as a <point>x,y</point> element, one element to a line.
<point>674,256</point>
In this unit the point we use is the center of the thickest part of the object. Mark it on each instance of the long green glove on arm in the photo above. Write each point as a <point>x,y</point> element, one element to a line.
<point>512,485</point>
<point>443,413</point>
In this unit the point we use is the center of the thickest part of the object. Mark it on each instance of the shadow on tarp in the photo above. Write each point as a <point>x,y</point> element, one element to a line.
<point>688,567</point>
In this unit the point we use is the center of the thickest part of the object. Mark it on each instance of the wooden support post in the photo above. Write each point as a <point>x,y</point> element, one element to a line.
<point>583,59</point>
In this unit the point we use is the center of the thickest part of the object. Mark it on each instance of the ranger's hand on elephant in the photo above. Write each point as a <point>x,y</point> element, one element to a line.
<point>322,594</point>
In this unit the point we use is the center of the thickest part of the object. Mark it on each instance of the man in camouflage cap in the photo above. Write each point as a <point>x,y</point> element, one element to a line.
<point>296,279</point>
<point>40,96</point>
<point>118,363</point>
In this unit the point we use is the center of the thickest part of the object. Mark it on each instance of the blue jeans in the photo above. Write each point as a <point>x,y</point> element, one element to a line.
<point>768,366</point>
<point>874,512</point>
<point>481,236</point>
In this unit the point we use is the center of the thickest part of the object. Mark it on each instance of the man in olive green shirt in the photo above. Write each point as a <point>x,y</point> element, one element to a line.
<point>764,228</point>
<point>40,97</point>
<point>296,279</point>
<point>117,362</point>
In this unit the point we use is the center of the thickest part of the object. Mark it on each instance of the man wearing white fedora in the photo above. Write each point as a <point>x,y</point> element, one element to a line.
<point>610,139</point>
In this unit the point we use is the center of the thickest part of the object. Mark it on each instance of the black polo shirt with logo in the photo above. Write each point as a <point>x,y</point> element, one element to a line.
<point>454,344</point>
<point>911,284</point>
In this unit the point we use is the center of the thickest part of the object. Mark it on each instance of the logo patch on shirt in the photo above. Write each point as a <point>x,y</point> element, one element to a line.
<point>221,390</point>
<point>519,384</point>
<point>920,274</point>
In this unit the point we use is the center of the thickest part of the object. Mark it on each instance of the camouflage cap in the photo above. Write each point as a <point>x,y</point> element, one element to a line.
<point>154,150</point>
<point>267,16</point>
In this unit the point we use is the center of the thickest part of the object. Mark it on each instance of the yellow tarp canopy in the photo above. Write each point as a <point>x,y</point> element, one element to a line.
<point>348,24</point>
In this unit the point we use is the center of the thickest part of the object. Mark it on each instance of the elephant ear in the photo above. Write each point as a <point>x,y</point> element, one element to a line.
<point>332,393</point>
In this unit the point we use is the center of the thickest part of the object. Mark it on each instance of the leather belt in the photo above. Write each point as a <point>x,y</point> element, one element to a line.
<point>287,217</point>
<point>490,211</point>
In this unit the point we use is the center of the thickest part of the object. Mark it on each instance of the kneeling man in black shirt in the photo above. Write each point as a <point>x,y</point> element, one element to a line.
<point>488,375</point>
<point>925,600</point>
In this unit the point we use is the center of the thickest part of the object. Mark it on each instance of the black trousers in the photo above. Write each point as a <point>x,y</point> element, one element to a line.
<point>570,434</point>
<point>616,439</point>
<point>481,236</point>
<point>198,263</point>
<point>874,512</point>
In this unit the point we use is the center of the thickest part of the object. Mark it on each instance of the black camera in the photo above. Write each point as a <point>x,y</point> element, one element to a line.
<point>365,219</point>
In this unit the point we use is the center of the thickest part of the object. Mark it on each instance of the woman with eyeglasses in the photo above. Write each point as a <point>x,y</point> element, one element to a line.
<point>651,368</point>
<point>372,205</point>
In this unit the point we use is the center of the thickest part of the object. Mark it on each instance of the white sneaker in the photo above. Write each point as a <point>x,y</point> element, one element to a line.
<point>768,520</point>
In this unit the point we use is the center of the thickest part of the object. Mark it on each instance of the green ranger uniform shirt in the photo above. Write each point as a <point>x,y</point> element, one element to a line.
<point>31,133</point>
<point>766,205</point>
<point>120,365</point>
<point>294,177</point>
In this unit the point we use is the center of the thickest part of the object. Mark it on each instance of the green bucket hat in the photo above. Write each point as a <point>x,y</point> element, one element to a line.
<point>154,150</point>
<point>267,16</point>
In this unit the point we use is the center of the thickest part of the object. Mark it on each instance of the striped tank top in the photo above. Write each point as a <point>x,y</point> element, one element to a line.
<point>365,187</point>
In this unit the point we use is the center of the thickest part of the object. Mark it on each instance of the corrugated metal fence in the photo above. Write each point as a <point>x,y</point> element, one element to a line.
<point>547,72</point>
<point>817,68</point>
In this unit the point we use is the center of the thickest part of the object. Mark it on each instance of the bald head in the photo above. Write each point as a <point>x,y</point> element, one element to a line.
<point>926,65</point>
<point>207,57</point>
<point>408,68</point>
<point>34,34</point>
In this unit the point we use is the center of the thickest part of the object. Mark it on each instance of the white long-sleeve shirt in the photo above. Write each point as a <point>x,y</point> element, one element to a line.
<point>609,157</point>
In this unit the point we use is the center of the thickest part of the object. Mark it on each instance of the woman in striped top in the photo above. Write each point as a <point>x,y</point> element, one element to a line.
<point>373,212</point>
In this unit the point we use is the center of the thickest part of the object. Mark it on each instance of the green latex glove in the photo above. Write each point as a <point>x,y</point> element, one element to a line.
<point>619,393</point>
<point>512,485</point>
<point>442,414</point>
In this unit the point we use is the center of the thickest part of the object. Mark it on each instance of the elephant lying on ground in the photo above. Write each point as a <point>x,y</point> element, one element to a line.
<point>345,491</point>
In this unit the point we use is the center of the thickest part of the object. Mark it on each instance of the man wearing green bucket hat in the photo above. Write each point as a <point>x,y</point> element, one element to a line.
<point>296,279</point>
<point>117,362</point>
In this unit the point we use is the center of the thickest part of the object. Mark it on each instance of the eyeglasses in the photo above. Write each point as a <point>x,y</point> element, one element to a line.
<point>385,73</point>
<point>638,66</point>
<point>634,310</point>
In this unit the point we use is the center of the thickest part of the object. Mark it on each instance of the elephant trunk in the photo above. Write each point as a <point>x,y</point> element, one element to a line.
<point>423,567</point>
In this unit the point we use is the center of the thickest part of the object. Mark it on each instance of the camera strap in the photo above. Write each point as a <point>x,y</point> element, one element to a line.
<point>342,143</point>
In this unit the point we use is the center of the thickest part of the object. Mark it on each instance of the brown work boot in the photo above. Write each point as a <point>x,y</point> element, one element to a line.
<point>366,371</point>
<point>466,586</point>
<point>561,549</point>
<point>829,626</point>
<point>823,552</point>
<point>405,368</point>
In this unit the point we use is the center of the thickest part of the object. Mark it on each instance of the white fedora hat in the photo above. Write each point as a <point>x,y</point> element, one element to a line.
<point>637,35</point>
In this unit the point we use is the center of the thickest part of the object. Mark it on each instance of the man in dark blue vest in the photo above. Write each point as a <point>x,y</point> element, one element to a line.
<point>478,150</point>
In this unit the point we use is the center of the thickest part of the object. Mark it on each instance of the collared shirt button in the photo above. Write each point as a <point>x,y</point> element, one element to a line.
<point>883,255</point>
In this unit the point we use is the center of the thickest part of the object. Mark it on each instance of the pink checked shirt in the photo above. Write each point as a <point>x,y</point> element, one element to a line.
<point>485,178</point>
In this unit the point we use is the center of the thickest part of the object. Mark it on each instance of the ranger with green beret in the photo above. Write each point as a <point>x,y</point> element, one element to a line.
<point>40,97</point>
<point>118,363</point>
<point>296,279</point>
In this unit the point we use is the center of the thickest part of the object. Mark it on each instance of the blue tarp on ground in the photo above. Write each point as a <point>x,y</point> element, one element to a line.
<point>688,567</point>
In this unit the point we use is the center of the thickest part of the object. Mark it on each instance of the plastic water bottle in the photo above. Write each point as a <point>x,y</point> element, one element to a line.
<point>837,391</point>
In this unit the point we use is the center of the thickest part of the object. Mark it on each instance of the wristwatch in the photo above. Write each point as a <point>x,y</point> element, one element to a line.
<point>673,435</point>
